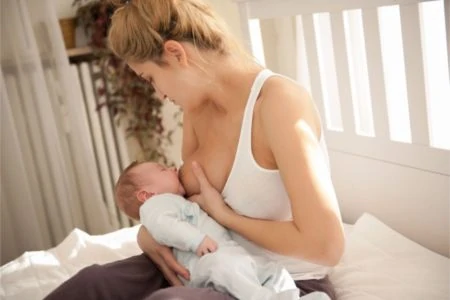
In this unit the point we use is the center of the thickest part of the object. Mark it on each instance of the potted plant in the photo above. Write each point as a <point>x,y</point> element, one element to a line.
<point>130,98</point>
<point>67,26</point>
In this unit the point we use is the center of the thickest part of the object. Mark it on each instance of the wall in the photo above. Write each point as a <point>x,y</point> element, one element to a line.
<point>64,8</point>
<point>229,11</point>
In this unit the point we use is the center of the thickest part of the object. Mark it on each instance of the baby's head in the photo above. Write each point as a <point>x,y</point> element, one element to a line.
<point>140,181</point>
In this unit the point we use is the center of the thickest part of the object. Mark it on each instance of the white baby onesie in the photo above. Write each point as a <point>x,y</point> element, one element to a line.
<point>176,222</point>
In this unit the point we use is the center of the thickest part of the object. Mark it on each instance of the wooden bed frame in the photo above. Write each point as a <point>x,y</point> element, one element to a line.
<point>405,183</point>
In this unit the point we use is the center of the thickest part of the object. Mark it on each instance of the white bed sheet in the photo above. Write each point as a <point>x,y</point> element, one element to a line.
<point>35,274</point>
<point>378,263</point>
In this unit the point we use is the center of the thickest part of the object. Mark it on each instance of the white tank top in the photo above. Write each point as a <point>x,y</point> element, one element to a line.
<point>260,193</point>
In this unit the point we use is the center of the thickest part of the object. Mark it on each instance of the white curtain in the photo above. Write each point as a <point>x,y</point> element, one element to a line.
<point>47,182</point>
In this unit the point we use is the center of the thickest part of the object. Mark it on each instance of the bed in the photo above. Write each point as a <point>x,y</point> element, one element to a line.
<point>388,147</point>
<point>379,263</point>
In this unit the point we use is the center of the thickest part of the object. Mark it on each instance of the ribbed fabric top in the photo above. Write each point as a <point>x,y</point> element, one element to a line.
<point>257,192</point>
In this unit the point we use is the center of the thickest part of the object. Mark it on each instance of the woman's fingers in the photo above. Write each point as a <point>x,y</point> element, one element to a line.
<point>200,175</point>
<point>162,256</point>
<point>170,275</point>
<point>173,265</point>
<point>197,199</point>
<point>194,198</point>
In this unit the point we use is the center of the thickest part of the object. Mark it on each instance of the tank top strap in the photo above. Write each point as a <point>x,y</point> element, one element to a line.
<point>246,129</point>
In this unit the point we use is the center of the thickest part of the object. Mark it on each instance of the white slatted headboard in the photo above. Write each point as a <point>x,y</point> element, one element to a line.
<point>379,73</point>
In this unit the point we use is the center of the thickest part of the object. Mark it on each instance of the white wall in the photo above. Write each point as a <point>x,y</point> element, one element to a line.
<point>64,8</point>
<point>229,11</point>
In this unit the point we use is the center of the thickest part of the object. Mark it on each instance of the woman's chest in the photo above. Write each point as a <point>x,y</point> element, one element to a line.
<point>234,169</point>
<point>215,153</point>
<point>217,141</point>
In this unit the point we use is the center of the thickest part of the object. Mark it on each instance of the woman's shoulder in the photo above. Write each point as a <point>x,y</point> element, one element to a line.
<point>279,86</point>
<point>282,98</point>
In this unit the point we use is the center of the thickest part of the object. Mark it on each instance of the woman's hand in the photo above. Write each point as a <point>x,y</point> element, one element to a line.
<point>209,199</point>
<point>163,257</point>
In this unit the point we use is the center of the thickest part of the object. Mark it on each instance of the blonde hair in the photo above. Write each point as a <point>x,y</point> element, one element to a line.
<point>139,28</point>
<point>125,192</point>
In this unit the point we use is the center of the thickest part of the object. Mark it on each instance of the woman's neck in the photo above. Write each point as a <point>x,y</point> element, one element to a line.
<point>226,78</point>
<point>231,79</point>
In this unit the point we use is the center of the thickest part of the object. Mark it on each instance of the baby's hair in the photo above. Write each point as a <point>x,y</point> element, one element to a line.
<point>125,192</point>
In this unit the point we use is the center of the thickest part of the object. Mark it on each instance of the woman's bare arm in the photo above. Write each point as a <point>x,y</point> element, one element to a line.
<point>163,257</point>
<point>291,129</point>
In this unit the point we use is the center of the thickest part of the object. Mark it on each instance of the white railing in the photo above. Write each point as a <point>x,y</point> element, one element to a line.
<point>378,71</point>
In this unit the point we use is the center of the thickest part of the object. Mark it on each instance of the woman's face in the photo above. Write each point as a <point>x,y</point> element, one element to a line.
<point>176,80</point>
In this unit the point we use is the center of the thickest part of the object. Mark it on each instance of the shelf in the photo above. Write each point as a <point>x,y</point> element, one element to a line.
<point>77,55</point>
<point>74,52</point>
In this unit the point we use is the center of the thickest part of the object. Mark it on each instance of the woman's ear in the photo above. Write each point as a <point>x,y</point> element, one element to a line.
<point>175,50</point>
<point>143,195</point>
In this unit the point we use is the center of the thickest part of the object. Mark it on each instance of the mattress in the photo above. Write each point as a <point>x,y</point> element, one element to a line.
<point>378,263</point>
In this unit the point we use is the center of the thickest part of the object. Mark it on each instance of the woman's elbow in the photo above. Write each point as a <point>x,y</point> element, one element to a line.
<point>332,250</point>
<point>332,256</point>
<point>326,250</point>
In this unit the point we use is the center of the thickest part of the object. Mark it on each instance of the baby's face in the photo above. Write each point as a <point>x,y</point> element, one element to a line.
<point>161,178</point>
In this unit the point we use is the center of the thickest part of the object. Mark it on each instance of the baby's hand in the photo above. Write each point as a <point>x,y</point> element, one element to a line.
<point>208,245</point>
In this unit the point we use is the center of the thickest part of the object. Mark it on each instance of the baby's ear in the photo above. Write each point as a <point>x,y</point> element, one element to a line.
<point>143,195</point>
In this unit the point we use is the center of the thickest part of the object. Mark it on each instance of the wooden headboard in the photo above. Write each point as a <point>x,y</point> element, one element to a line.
<point>379,73</point>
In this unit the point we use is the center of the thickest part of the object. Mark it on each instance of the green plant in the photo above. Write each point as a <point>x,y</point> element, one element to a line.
<point>129,98</point>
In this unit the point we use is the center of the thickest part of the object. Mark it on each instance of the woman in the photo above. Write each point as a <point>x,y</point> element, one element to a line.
<point>255,135</point>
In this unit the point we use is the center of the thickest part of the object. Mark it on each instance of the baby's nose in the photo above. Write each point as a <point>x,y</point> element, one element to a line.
<point>173,169</point>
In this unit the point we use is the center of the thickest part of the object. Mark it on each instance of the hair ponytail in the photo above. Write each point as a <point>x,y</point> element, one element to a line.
<point>139,28</point>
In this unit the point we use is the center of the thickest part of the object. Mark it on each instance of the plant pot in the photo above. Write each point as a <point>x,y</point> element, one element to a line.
<point>68,30</point>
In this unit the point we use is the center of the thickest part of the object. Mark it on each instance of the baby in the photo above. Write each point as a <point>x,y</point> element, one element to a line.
<point>153,193</point>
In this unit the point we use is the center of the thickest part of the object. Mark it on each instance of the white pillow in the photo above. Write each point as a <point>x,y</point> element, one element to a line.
<point>380,263</point>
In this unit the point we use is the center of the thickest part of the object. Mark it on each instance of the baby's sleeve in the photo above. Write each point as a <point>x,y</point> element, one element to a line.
<point>161,217</point>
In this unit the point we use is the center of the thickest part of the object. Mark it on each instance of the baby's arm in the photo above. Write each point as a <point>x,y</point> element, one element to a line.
<point>166,228</point>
